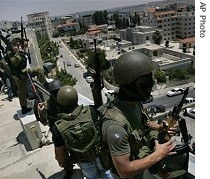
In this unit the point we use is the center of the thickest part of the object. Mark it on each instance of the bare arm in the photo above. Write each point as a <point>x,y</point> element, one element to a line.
<point>127,168</point>
<point>60,155</point>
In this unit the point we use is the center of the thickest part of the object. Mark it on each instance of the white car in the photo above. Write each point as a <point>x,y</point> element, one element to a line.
<point>189,112</point>
<point>76,65</point>
<point>175,91</point>
<point>189,100</point>
<point>89,79</point>
<point>68,63</point>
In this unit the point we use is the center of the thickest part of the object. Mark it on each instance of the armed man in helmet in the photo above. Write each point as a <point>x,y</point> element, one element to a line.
<point>68,97</point>
<point>16,59</point>
<point>48,112</point>
<point>51,108</point>
<point>125,124</point>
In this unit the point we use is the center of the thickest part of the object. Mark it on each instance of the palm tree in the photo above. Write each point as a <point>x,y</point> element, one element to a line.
<point>157,37</point>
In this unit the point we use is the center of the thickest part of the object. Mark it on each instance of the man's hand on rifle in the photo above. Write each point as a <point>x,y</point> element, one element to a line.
<point>41,106</point>
<point>172,130</point>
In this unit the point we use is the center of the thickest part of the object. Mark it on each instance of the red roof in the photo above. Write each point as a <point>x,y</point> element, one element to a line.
<point>188,40</point>
<point>93,32</point>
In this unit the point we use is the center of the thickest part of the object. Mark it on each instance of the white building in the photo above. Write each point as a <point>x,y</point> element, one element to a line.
<point>41,23</point>
<point>139,34</point>
<point>177,24</point>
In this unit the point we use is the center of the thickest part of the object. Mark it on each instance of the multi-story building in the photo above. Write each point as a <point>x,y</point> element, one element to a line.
<point>176,24</point>
<point>41,23</point>
<point>185,22</point>
<point>87,20</point>
<point>139,34</point>
<point>162,19</point>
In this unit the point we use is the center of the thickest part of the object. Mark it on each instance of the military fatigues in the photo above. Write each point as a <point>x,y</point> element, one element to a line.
<point>118,137</point>
<point>17,63</point>
<point>128,132</point>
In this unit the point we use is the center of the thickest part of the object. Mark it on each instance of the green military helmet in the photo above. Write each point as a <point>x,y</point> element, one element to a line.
<point>14,38</point>
<point>130,66</point>
<point>55,85</point>
<point>67,96</point>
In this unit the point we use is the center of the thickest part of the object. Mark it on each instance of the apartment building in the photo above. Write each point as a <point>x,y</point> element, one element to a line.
<point>162,19</point>
<point>185,23</point>
<point>41,23</point>
<point>86,20</point>
<point>176,24</point>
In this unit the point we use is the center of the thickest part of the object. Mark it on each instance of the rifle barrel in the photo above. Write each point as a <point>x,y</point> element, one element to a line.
<point>96,89</point>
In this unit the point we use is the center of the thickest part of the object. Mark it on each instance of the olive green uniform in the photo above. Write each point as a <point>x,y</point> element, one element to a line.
<point>115,134</point>
<point>17,63</point>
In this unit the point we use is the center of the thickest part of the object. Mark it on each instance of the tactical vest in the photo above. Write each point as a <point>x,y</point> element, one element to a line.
<point>141,140</point>
<point>79,134</point>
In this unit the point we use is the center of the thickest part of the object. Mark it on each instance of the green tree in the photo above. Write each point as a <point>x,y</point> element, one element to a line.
<point>100,17</point>
<point>67,79</point>
<point>160,76</point>
<point>157,37</point>
<point>89,62</point>
<point>179,74</point>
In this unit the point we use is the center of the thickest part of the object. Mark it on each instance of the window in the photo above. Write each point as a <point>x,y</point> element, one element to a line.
<point>154,53</point>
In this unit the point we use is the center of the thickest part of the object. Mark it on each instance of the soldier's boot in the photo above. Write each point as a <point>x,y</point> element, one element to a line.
<point>25,109</point>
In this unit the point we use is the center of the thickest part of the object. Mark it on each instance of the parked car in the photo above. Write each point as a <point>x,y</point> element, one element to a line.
<point>89,79</point>
<point>148,101</point>
<point>85,74</point>
<point>189,100</point>
<point>189,112</point>
<point>68,63</point>
<point>76,65</point>
<point>156,108</point>
<point>175,91</point>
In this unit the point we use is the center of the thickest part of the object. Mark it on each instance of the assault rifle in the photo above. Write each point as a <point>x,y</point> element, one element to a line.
<point>6,41</point>
<point>23,33</point>
<point>164,136</point>
<point>98,85</point>
<point>172,120</point>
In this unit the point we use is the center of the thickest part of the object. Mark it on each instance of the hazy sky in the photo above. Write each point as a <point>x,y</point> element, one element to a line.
<point>14,9</point>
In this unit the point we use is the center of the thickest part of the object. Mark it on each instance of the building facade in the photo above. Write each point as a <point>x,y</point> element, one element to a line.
<point>139,35</point>
<point>41,23</point>
<point>176,24</point>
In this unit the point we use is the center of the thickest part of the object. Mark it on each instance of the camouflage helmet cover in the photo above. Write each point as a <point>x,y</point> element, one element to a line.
<point>67,96</point>
<point>130,66</point>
